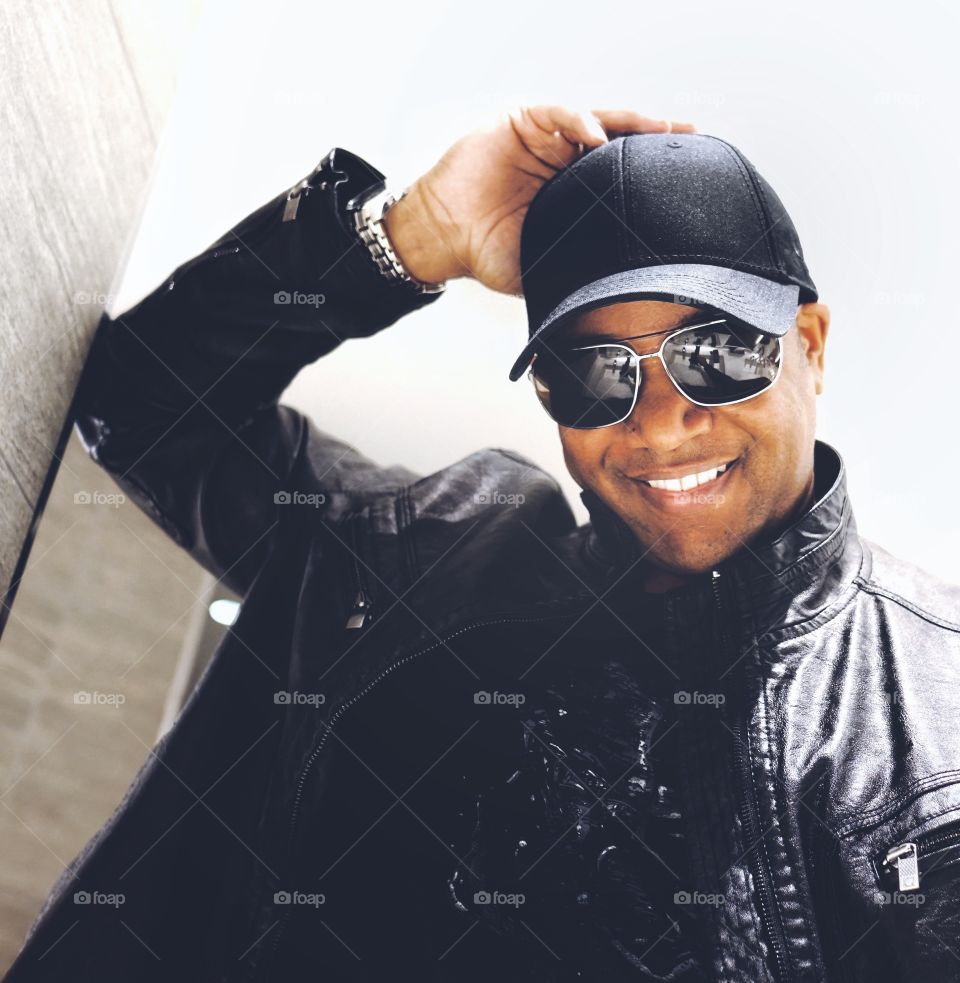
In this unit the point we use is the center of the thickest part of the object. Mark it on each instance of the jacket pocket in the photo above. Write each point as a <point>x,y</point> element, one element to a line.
<point>917,934</point>
<point>875,928</point>
<point>905,866</point>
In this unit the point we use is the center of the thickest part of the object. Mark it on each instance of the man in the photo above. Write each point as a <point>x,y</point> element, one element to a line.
<point>709,735</point>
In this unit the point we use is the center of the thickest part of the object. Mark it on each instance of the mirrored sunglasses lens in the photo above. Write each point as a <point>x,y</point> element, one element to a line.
<point>722,363</point>
<point>594,387</point>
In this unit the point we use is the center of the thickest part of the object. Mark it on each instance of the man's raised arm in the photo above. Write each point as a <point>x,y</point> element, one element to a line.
<point>179,397</point>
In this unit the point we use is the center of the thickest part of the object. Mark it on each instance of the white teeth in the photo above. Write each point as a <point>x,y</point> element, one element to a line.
<point>688,481</point>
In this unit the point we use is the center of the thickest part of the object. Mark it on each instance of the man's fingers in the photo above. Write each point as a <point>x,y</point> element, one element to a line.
<point>575,126</point>
<point>553,133</point>
<point>593,127</point>
<point>628,121</point>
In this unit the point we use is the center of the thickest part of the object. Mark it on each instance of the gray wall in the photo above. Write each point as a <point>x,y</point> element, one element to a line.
<point>105,600</point>
<point>84,90</point>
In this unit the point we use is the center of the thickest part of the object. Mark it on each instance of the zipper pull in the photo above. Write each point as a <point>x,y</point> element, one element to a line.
<point>905,857</point>
<point>361,610</point>
<point>293,200</point>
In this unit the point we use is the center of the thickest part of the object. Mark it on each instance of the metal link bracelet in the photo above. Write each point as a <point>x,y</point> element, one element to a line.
<point>368,220</point>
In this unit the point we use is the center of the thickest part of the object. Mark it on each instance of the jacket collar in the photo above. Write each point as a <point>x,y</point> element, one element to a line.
<point>781,580</point>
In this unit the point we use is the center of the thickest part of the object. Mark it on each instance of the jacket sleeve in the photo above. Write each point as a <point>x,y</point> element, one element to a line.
<point>178,399</point>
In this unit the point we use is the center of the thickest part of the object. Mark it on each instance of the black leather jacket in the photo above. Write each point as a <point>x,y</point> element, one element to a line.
<point>837,740</point>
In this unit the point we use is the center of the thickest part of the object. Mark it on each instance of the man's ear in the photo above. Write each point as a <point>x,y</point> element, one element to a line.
<point>813,323</point>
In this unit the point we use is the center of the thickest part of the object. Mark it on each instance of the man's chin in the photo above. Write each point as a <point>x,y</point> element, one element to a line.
<point>682,561</point>
<point>681,546</point>
<point>684,567</point>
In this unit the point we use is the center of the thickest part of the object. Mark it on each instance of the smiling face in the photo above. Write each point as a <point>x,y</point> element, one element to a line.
<point>766,443</point>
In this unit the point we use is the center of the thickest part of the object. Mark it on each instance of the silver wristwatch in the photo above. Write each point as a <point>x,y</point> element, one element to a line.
<point>368,220</point>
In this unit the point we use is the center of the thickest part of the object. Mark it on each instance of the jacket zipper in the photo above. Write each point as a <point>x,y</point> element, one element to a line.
<point>294,812</point>
<point>360,614</point>
<point>905,857</point>
<point>750,819</point>
<point>362,611</point>
<point>291,205</point>
<point>318,749</point>
<point>224,247</point>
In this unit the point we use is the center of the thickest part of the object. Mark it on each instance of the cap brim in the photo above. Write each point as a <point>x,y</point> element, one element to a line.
<point>765,305</point>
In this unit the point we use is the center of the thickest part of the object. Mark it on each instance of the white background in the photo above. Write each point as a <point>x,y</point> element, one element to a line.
<point>847,109</point>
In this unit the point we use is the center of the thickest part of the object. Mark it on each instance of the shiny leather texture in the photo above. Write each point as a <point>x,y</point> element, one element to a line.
<point>834,667</point>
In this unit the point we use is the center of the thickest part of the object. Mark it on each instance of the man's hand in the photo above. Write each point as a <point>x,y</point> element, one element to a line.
<point>463,217</point>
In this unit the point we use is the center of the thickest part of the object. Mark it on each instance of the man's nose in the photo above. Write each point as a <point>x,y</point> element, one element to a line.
<point>663,418</point>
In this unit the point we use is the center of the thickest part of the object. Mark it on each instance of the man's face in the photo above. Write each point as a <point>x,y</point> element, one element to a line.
<point>769,440</point>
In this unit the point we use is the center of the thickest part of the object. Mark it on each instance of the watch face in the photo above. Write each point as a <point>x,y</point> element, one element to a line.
<point>373,203</point>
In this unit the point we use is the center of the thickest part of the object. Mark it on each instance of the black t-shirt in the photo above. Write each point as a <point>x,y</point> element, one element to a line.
<point>579,843</point>
<point>502,807</point>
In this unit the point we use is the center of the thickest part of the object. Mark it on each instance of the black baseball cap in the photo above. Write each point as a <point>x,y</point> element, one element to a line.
<point>681,217</point>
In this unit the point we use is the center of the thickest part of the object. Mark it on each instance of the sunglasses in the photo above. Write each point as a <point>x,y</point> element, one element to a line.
<point>716,363</point>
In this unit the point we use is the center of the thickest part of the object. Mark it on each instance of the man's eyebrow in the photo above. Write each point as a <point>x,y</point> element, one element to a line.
<point>698,318</point>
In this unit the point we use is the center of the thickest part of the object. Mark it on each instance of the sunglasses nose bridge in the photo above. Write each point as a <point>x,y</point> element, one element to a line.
<point>652,365</point>
<point>662,416</point>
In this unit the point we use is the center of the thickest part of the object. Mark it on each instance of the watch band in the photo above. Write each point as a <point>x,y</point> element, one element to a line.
<point>368,220</point>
